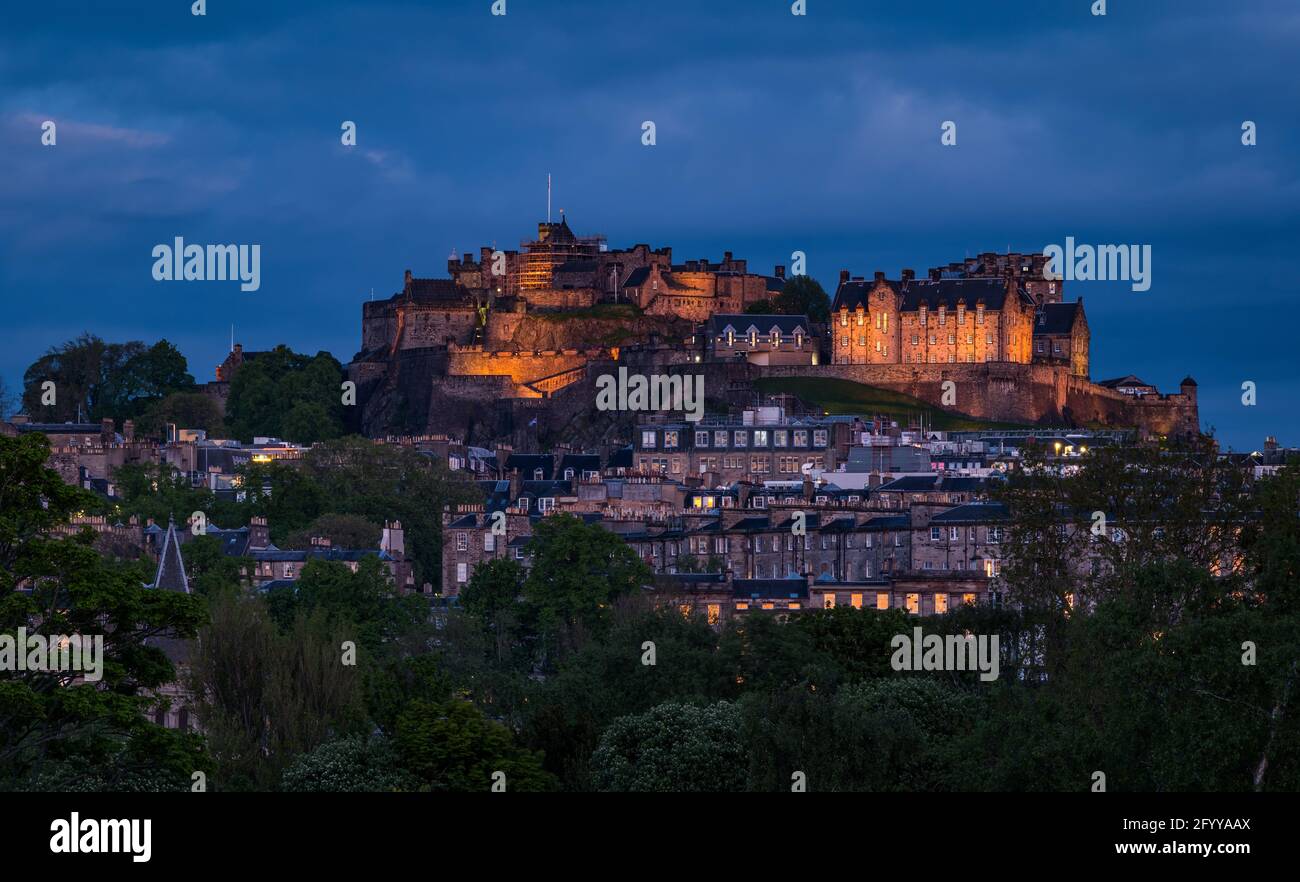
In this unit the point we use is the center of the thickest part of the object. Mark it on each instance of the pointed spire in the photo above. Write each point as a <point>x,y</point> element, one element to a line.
<point>171,566</point>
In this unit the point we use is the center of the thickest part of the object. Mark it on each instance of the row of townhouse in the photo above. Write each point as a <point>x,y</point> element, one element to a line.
<point>850,556</point>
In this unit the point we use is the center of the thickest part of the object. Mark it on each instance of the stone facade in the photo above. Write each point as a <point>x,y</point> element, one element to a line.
<point>930,321</point>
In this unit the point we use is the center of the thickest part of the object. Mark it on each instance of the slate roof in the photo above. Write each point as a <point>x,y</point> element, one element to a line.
<point>930,292</point>
<point>769,589</point>
<point>787,324</point>
<point>171,567</point>
<point>234,543</point>
<point>637,277</point>
<point>580,462</point>
<point>1056,318</point>
<point>973,513</point>
<point>528,463</point>
<point>435,289</point>
<point>1129,380</point>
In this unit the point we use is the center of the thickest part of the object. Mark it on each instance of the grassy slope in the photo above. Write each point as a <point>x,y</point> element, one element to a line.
<point>846,397</point>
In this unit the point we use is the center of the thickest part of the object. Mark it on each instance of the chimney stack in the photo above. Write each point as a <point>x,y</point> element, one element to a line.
<point>844,276</point>
<point>880,277</point>
<point>909,275</point>
<point>780,271</point>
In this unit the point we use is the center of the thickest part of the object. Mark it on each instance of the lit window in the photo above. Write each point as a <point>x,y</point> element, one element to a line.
<point>855,600</point>
<point>941,603</point>
<point>882,600</point>
<point>914,604</point>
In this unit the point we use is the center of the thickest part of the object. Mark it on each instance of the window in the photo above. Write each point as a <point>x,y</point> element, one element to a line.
<point>882,600</point>
<point>760,437</point>
<point>489,541</point>
<point>701,439</point>
<point>844,340</point>
<point>670,439</point>
<point>819,438</point>
<point>954,533</point>
<point>855,601</point>
<point>801,438</point>
<point>462,542</point>
<point>648,440</point>
<point>720,438</point>
<point>968,599</point>
<point>462,572</point>
<point>934,534</point>
<point>741,439</point>
<point>995,535</point>
<point>914,604</point>
<point>828,601</point>
<point>715,613</point>
<point>941,603</point>
<point>779,437</point>
<point>915,339</point>
<point>952,338</point>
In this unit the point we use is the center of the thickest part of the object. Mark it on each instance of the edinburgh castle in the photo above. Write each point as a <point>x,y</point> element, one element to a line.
<point>509,343</point>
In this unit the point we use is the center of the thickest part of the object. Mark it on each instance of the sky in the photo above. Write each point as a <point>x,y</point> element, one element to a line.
<point>774,133</point>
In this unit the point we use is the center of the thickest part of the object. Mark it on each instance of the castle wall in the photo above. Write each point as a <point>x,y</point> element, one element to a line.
<point>417,324</point>
<point>1004,391</point>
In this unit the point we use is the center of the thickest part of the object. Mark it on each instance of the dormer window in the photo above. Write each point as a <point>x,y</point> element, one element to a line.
<point>539,475</point>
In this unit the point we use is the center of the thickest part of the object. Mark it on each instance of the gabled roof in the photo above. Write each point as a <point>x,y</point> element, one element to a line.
<point>1129,380</point>
<point>932,293</point>
<point>1056,318</point>
<point>171,566</point>
<point>764,323</point>
<point>234,543</point>
<point>528,463</point>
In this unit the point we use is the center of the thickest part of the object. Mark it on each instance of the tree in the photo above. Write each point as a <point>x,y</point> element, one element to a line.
<point>187,410</point>
<point>491,598</point>
<point>803,295</point>
<point>385,483</point>
<point>343,531</point>
<point>263,697</point>
<point>354,764</point>
<point>674,747</point>
<point>8,401</point>
<point>578,570</point>
<point>94,380</point>
<point>55,727</point>
<point>451,746</point>
<point>284,394</point>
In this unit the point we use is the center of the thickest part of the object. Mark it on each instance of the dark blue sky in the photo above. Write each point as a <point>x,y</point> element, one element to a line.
<point>775,133</point>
